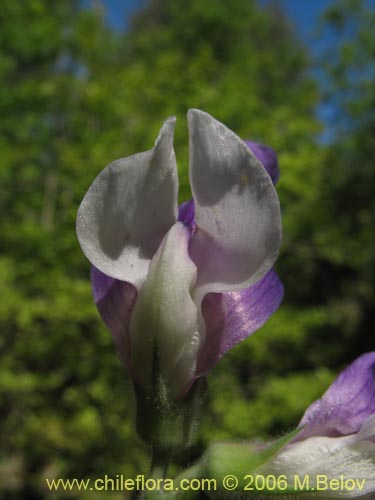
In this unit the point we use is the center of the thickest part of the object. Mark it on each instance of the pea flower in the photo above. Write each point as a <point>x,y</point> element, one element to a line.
<point>179,289</point>
<point>335,449</point>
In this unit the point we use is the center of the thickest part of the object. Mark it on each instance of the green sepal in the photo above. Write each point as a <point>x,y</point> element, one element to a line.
<point>236,459</point>
<point>240,459</point>
<point>164,424</point>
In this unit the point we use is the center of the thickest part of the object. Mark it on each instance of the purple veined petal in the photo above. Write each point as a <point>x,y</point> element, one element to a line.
<point>267,158</point>
<point>237,211</point>
<point>128,209</point>
<point>115,301</point>
<point>346,405</point>
<point>231,317</point>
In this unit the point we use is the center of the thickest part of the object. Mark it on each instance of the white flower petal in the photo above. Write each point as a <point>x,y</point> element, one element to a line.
<point>165,315</point>
<point>349,460</point>
<point>129,208</point>
<point>237,210</point>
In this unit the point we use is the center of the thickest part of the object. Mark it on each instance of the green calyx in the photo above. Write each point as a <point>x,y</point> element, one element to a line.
<point>166,425</point>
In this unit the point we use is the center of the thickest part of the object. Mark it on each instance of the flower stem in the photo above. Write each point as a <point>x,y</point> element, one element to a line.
<point>158,470</point>
<point>159,464</point>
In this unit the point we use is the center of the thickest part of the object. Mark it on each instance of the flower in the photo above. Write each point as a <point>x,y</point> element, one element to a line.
<point>335,448</point>
<point>179,290</point>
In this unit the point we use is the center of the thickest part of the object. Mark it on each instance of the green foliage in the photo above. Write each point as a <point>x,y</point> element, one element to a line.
<point>76,96</point>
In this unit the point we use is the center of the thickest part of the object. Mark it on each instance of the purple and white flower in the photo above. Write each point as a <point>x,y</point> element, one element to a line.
<point>335,449</point>
<point>195,282</point>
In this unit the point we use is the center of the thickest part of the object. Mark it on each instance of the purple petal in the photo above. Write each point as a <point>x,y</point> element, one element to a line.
<point>115,301</point>
<point>267,158</point>
<point>231,317</point>
<point>186,215</point>
<point>346,405</point>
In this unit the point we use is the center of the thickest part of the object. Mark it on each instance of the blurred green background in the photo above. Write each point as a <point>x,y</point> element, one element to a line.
<point>75,95</point>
